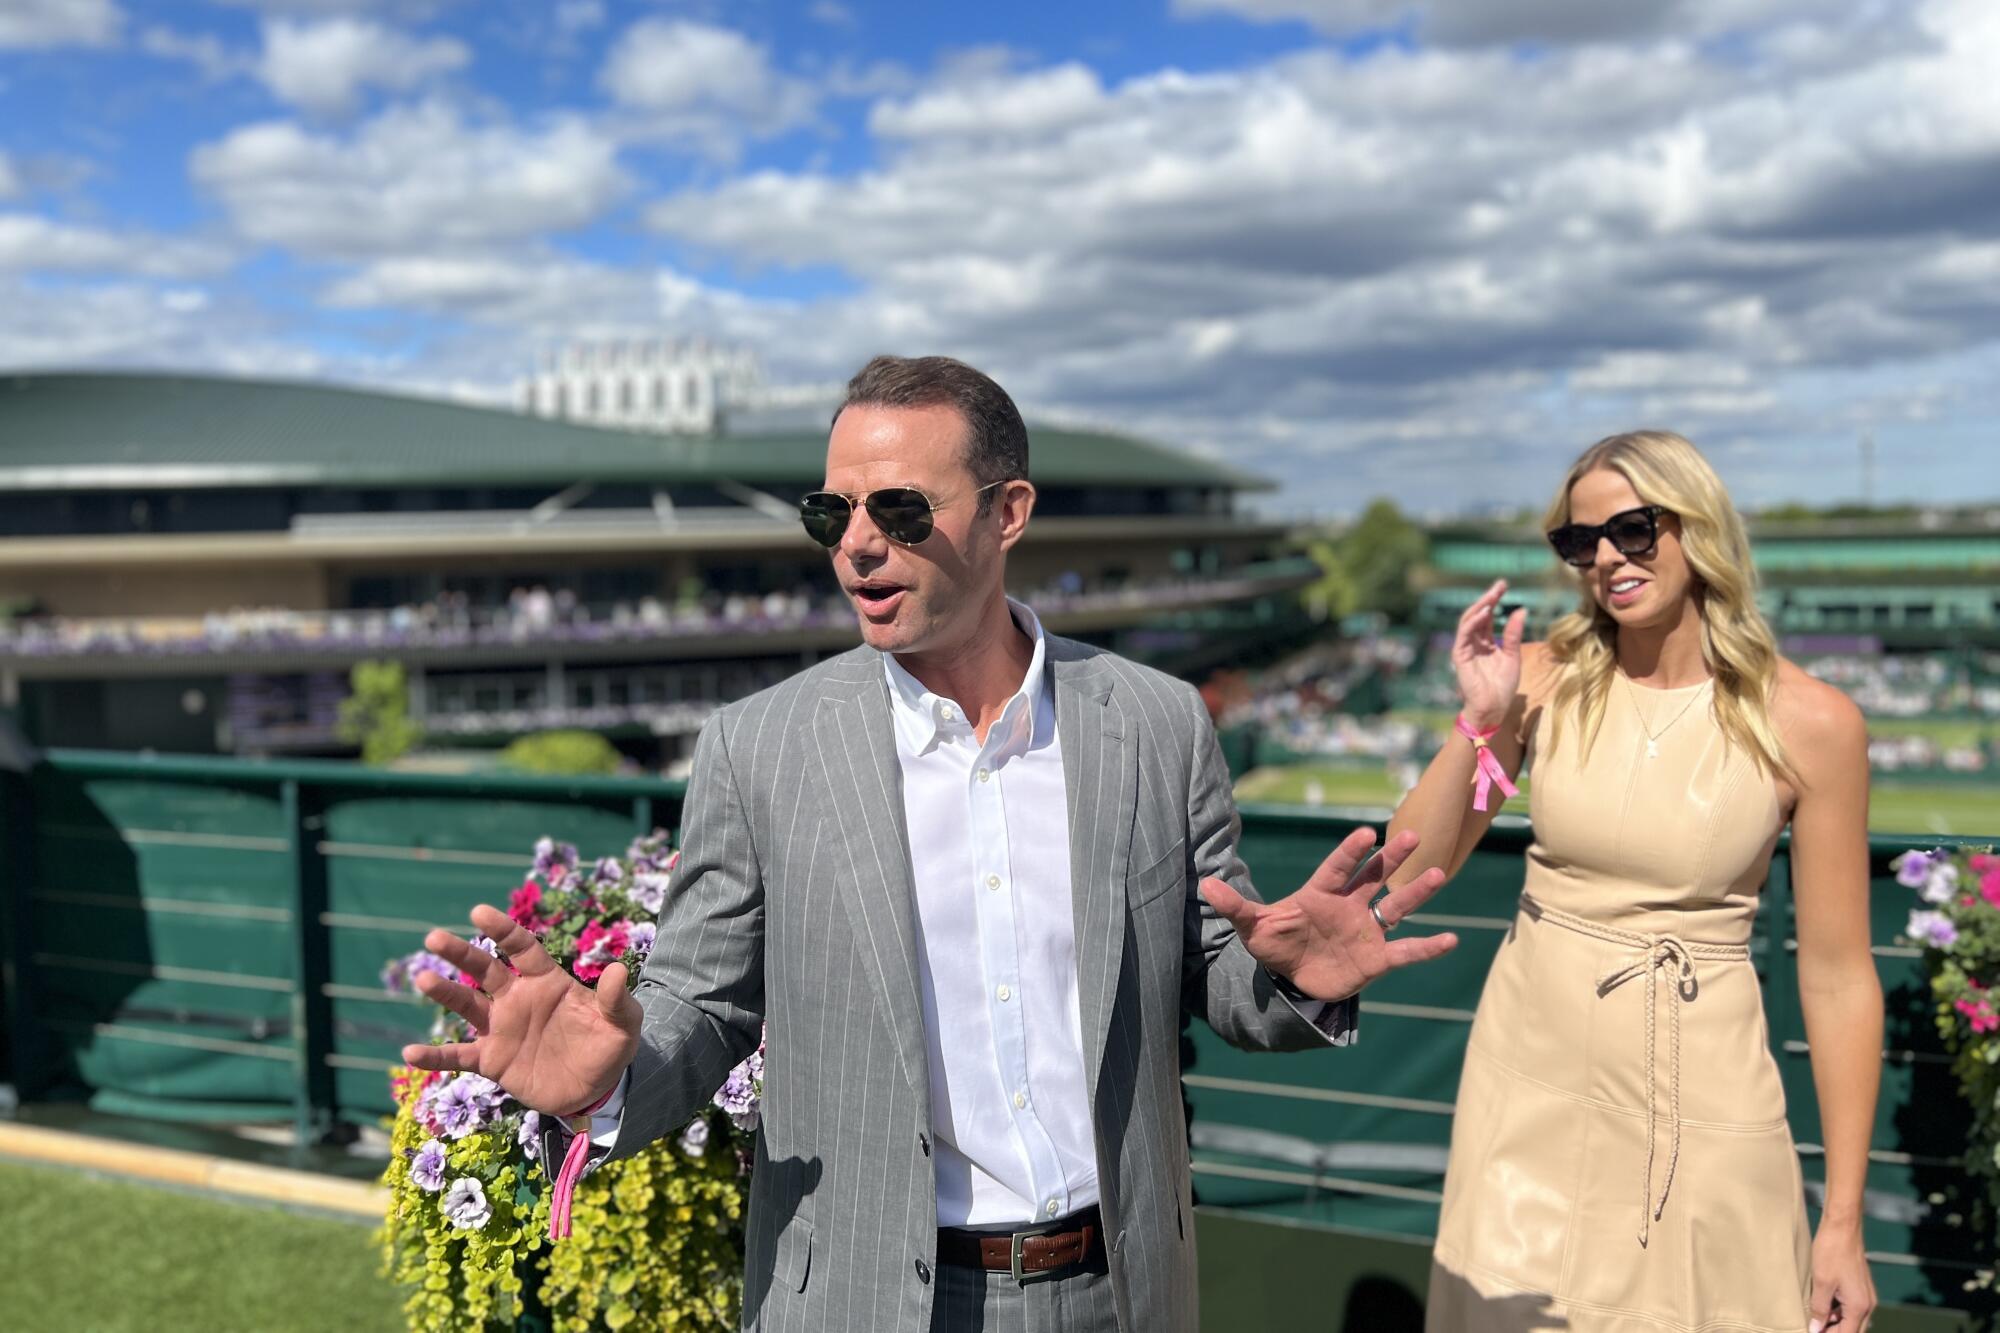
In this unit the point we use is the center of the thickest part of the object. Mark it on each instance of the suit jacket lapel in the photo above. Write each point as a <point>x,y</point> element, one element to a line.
<point>1101,773</point>
<point>862,782</point>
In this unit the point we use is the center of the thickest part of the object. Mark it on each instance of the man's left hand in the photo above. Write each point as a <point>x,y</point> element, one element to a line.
<point>1323,939</point>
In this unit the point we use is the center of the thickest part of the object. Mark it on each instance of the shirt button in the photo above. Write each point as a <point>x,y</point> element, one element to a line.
<point>1004,994</point>
<point>992,881</point>
<point>1052,1207</point>
<point>923,1272</point>
<point>1020,1101</point>
<point>948,714</point>
<point>985,776</point>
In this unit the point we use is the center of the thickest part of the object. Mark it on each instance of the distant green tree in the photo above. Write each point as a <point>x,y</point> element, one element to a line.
<point>375,715</point>
<point>568,753</point>
<point>1368,567</point>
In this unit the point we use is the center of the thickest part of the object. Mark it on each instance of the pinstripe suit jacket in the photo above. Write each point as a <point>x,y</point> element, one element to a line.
<point>793,903</point>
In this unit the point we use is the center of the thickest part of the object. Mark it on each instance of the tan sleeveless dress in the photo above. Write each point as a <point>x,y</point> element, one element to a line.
<point>1620,1158</point>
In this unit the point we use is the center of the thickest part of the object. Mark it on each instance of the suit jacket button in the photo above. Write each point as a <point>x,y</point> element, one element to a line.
<point>923,1272</point>
<point>924,1142</point>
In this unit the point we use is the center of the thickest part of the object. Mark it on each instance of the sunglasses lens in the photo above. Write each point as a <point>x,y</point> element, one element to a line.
<point>824,516</point>
<point>1575,544</point>
<point>1631,533</point>
<point>903,515</point>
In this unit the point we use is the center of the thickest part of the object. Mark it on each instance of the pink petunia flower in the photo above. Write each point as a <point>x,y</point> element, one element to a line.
<point>521,907</point>
<point>1989,887</point>
<point>598,947</point>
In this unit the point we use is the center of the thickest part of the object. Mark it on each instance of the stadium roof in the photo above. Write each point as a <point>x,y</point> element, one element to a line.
<point>97,431</point>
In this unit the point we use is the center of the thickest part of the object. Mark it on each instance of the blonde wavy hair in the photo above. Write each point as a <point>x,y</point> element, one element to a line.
<point>1736,643</point>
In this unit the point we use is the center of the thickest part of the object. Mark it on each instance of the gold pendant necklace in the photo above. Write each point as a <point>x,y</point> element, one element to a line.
<point>1652,736</point>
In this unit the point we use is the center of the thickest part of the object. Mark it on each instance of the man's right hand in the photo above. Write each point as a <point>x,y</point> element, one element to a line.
<point>552,1042</point>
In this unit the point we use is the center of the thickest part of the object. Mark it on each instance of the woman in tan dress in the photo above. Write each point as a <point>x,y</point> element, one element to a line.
<point>1620,1157</point>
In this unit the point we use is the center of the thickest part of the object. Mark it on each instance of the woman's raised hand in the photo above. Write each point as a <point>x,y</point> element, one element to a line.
<point>1489,672</point>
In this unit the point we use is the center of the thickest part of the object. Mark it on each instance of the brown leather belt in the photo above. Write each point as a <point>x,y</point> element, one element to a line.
<point>1073,1240</point>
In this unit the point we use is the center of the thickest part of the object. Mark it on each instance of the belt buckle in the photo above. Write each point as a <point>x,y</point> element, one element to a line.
<point>1014,1246</point>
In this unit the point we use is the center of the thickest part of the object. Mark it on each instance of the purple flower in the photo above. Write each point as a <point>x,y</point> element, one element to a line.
<point>464,1105</point>
<point>649,890</point>
<point>741,1094</point>
<point>427,1167</point>
<point>465,1204</point>
<point>486,946</point>
<point>608,871</point>
<point>642,937</point>
<point>694,1139</point>
<point>1912,868</point>
<point>400,976</point>
<point>530,1135</point>
<point>554,860</point>
<point>1932,928</point>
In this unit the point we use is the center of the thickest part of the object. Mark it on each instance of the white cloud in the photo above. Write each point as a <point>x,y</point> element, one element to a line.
<point>832,14</point>
<point>1486,252</point>
<point>30,242</point>
<point>44,23</point>
<point>1499,22</point>
<point>704,86</point>
<point>324,66</point>
<point>412,179</point>
<point>573,16</point>
<point>124,324</point>
<point>204,51</point>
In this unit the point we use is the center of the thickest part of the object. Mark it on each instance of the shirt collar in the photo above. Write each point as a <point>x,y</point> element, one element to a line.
<point>919,714</point>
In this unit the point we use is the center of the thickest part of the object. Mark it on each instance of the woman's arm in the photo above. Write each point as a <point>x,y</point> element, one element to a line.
<point>1490,675</point>
<point>1838,986</point>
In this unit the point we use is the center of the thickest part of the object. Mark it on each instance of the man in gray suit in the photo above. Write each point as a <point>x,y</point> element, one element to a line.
<point>970,874</point>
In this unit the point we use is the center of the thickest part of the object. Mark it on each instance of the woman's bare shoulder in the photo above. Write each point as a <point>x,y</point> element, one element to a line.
<point>1815,718</point>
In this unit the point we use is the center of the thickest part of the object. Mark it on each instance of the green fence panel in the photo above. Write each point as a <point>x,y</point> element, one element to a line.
<point>201,938</point>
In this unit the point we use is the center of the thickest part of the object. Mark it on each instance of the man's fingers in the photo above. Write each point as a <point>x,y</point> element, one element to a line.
<point>459,1057</point>
<point>613,1000</point>
<point>1336,872</point>
<point>1397,904</point>
<point>487,973</point>
<point>1418,949</point>
<point>467,1003</point>
<point>1230,905</point>
<point>517,944</point>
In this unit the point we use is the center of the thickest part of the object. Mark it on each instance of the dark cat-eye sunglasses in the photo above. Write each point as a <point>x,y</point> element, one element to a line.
<point>1631,531</point>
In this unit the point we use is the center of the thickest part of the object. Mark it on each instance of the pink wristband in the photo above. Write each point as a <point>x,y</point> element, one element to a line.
<point>594,1105</point>
<point>1486,770</point>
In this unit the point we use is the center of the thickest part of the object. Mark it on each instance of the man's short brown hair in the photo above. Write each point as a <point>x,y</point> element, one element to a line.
<point>996,446</point>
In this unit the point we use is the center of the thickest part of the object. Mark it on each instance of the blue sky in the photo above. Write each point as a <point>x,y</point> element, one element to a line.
<point>1365,246</point>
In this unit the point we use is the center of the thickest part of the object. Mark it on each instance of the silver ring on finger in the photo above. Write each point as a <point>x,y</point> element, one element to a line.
<point>1375,910</point>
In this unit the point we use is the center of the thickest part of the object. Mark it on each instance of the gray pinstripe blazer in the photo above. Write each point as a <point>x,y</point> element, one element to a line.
<point>793,903</point>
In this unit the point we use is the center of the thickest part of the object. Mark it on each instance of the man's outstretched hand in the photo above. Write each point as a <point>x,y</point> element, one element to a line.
<point>552,1042</point>
<point>1323,939</point>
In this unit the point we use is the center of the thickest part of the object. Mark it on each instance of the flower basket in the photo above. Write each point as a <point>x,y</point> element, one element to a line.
<point>657,1238</point>
<point>1958,926</point>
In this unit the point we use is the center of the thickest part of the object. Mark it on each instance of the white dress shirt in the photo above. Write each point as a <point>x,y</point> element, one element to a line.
<point>996,951</point>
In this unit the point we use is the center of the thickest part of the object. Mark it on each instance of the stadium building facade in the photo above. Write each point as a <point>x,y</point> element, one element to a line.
<point>195,564</point>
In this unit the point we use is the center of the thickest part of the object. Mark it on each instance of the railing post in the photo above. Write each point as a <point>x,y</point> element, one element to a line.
<point>642,814</point>
<point>30,1072</point>
<point>312,1014</point>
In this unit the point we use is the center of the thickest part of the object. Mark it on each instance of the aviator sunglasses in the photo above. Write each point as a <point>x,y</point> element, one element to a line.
<point>904,514</point>
<point>1631,532</point>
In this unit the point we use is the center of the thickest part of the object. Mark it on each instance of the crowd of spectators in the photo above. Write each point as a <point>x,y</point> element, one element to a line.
<point>1307,706</point>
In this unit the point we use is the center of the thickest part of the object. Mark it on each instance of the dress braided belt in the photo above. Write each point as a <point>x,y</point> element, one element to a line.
<point>1650,953</point>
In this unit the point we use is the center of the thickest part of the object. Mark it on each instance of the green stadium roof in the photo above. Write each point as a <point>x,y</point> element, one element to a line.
<point>94,431</point>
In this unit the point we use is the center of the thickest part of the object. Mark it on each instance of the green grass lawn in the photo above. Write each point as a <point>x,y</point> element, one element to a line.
<point>89,1253</point>
<point>1895,807</point>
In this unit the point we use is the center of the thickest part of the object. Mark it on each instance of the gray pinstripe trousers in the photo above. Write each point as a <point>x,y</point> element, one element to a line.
<point>970,1300</point>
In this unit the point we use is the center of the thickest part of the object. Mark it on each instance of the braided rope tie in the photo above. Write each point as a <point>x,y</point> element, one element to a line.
<point>1650,954</point>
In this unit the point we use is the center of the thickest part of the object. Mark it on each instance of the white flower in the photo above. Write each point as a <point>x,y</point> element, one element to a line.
<point>1940,883</point>
<point>694,1139</point>
<point>465,1204</point>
